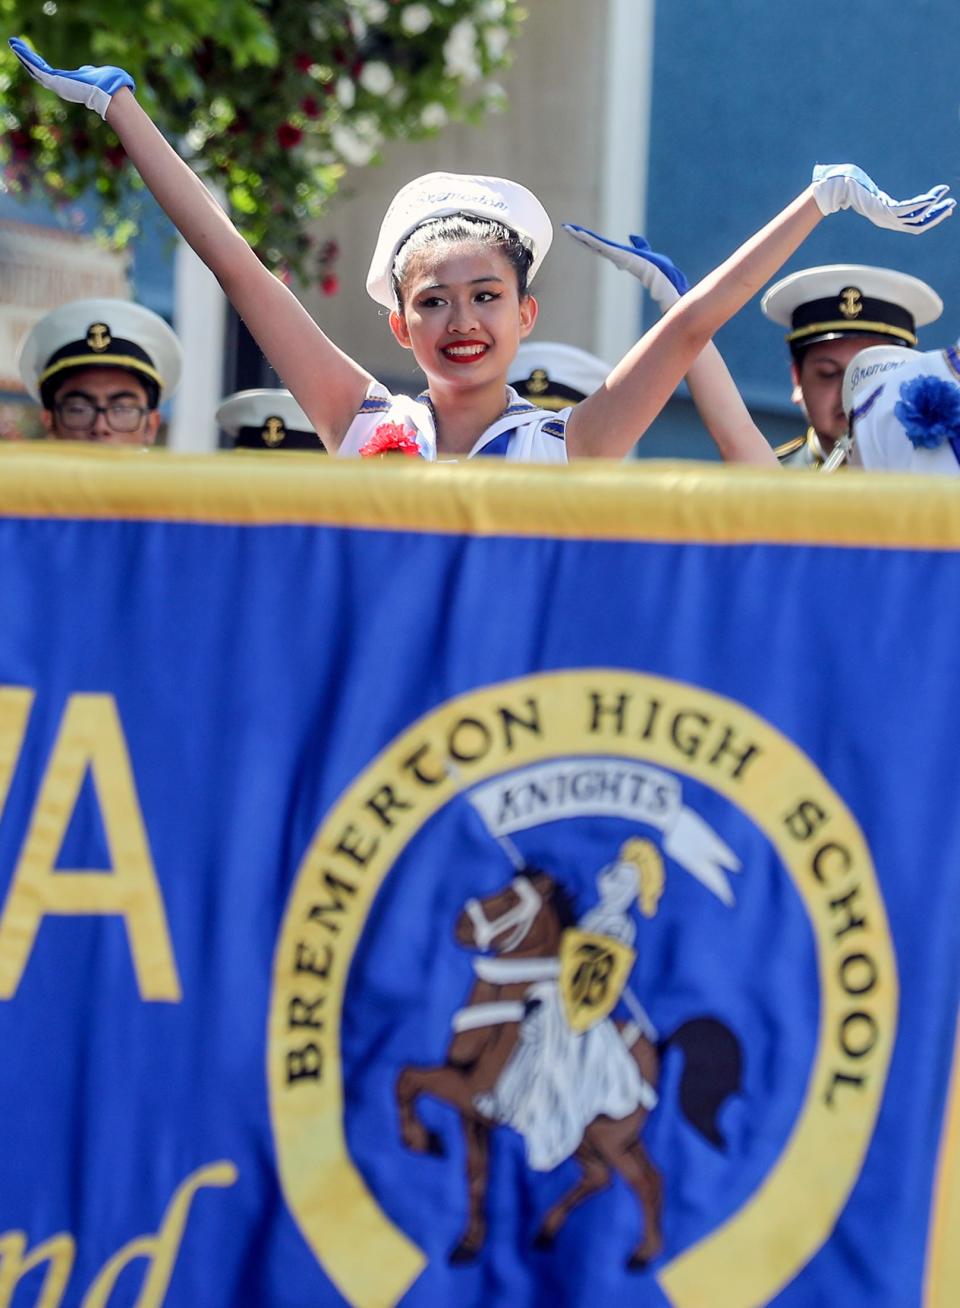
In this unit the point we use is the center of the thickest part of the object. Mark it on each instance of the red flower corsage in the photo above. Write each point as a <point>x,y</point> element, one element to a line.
<point>390,438</point>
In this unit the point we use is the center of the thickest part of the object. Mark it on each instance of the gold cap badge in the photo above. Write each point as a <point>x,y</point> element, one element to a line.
<point>273,431</point>
<point>98,336</point>
<point>850,303</point>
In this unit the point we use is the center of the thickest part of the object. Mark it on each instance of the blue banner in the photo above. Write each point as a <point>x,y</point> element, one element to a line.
<point>476,885</point>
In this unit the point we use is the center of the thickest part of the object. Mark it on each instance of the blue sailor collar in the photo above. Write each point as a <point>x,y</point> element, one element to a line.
<point>517,412</point>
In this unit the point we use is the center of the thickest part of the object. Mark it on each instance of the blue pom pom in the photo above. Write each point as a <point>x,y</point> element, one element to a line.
<point>929,411</point>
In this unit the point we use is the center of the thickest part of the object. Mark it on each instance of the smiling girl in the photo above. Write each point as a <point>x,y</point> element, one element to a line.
<point>458,298</point>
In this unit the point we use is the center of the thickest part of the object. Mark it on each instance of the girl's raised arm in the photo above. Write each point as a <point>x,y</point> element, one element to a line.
<point>610,421</point>
<point>714,392</point>
<point>328,385</point>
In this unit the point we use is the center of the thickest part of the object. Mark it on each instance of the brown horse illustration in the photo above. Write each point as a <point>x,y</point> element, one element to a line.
<point>520,924</point>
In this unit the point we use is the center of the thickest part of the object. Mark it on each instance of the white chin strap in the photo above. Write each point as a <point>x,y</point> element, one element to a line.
<point>517,920</point>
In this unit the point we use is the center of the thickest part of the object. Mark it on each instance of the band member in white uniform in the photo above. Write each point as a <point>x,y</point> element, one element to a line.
<point>452,265</point>
<point>100,368</point>
<point>554,376</point>
<point>832,313</point>
<point>267,418</point>
<point>904,410</point>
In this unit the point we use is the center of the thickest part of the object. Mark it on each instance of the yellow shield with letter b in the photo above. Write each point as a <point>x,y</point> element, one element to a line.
<point>594,970</point>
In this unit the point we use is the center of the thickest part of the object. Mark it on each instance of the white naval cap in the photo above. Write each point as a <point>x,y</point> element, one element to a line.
<point>267,419</point>
<point>905,413</point>
<point>99,333</point>
<point>553,375</point>
<point>845,299</point>
<point>435,195</point>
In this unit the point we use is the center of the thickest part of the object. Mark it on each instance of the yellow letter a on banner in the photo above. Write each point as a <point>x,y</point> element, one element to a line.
<point>91,737</point>
<point>15,705</point>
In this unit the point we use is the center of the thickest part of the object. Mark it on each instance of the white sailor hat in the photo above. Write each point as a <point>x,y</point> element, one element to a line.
<point>867,373</point>
<point>905,413</point>
<point>100,333</point>
<point>267,419</point>
<point>554,376</point>
<point>850,299</point>
<point>435,195</point>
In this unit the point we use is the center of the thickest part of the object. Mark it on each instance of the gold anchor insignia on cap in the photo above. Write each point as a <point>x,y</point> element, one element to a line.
<point>538,381</point>
<point>98,336</point>
<point>850,303</point>
<point>273,431</point>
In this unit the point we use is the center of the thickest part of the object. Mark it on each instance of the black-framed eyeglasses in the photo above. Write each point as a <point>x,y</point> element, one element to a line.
<point>80,415</point>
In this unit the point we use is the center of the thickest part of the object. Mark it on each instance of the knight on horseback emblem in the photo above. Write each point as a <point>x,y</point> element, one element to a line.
<point>553,1043</point>
<point>614,948</point>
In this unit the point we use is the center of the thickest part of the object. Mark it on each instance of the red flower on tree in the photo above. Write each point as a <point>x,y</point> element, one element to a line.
<point>329,281</point>
<point>22,145</point>
<point>256,98</point>
<point>390,438</point>
<point>289,136</point>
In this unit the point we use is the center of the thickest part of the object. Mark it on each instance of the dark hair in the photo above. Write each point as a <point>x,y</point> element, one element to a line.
<point>463,227</point>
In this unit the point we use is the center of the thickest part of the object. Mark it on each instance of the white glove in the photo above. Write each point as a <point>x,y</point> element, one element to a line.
<point>845,186</point>
<point>658,273</point>
<point>90,86</point>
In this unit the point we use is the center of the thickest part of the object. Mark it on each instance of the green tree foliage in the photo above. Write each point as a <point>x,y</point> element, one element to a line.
<point>272,100</point>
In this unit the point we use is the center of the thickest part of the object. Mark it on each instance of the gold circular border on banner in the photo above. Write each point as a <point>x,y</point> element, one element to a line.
<point>475,737</point>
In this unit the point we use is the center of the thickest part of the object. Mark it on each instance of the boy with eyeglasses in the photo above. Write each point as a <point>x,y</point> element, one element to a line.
<point>99,368</point>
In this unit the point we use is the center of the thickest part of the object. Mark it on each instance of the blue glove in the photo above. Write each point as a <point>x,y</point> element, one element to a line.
<point>660,275</point>
<point>845,186</point>
<point>93,87</point>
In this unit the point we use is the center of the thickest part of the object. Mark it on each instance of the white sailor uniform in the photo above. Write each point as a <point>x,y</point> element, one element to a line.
<point>885,431</point>
<point>523,433</point>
